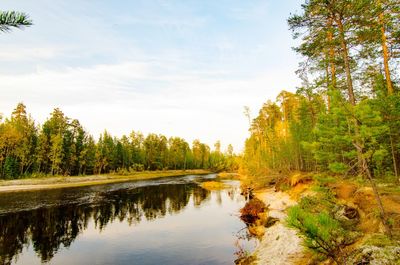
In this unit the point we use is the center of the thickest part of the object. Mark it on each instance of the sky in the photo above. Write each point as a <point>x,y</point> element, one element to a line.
<point>179,68</point>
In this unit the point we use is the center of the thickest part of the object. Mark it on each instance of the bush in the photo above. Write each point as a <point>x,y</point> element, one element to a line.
<point>136,168</point>
<point>123,172</point>
<point>323,179</point>
<point>323,224</point>
<point>322,233</point>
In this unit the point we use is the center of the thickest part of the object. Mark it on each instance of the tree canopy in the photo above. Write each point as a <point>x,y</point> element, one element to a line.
<point>347,110</point>
<point>61,146</point>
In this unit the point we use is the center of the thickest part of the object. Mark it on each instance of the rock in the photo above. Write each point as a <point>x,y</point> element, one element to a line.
<point>373,255</point>
<point>347,215</point>
<point>256,230</point>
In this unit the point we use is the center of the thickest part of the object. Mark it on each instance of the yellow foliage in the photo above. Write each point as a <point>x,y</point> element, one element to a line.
<point>213,185</point>
<point>297,178</point>
<point>226,175</point>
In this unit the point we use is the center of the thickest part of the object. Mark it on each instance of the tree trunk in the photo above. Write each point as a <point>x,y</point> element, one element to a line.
<point>376,193</point>
<point>345,53</point>
<point>331,55</point>
<point>349,81</point>
<point>328,83</point>
<point>393,153</point>
<point>385,52</point>
<point>378,200</point>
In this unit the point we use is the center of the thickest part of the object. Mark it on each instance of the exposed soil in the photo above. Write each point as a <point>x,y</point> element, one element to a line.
<point>365,201</point>
<point>281,245</point>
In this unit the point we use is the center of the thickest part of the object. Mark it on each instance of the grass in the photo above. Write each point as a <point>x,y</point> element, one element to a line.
<point>324,179</point>
<point>380,240</point>
<point>228,175</point>
<point>213,185</point>
<point>80,181</point>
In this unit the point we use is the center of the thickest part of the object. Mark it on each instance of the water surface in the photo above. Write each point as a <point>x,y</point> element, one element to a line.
<point>163,221</point>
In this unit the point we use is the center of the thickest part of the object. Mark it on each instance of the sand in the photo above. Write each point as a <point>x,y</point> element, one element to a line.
<point>280,244</point>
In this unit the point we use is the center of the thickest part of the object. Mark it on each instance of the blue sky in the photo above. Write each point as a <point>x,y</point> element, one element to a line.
<point>180,68</point>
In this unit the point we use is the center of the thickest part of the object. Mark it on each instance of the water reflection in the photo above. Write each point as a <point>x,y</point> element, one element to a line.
<point>51,227</point>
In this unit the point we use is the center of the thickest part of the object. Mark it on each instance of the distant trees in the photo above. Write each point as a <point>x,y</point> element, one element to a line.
<point>13,19</point>
<point>18,138</point>
<point>280,132</point>
<point>61,146</point>
<point>178,153</point>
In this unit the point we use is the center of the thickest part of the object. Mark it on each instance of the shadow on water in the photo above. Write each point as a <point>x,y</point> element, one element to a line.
<point>50,227</point>
<point>50,221</point>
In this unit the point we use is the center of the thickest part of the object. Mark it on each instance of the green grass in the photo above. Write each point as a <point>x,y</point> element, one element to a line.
<point>324,179</point>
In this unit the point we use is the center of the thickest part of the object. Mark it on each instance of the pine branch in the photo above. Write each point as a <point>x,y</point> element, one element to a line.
<point>13,19</point>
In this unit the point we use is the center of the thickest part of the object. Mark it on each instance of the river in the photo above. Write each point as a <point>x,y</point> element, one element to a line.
<point>162,221</point>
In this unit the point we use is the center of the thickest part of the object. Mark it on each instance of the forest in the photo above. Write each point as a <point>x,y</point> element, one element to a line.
<point>61,146</point>
<point>340,130</point>
<point>346,115</point>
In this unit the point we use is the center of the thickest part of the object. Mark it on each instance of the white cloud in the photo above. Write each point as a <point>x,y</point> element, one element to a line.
<point>172,68</point>
<point>18,53</point>
<point>191,104</point>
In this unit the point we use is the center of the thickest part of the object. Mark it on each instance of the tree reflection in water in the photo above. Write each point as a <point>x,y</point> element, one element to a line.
<point>49,228</point>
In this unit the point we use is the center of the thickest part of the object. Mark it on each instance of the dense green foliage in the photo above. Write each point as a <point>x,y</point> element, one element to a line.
<point>61,146</point>
<point>322,233</point>
<point>346,117</point>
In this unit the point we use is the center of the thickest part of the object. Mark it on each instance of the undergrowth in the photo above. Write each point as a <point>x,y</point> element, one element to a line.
<point>315,220</point>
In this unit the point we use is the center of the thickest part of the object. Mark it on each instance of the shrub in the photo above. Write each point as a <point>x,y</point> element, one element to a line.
<point>322,234</point>
<point>338,168</point>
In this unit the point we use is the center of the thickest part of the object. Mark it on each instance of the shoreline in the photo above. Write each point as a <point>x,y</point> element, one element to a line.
<point>35,184</point>
<point>279,244</point>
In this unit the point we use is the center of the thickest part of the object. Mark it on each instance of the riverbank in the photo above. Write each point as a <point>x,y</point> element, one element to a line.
<point>282,245</point>
<point>80,181</point>
<point>279,244</point>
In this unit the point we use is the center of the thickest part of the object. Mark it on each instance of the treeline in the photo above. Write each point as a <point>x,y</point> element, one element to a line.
<point>346,116</point>
<point>61,146</point>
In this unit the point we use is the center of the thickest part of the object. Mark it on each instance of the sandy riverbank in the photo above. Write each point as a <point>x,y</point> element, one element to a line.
<point>279,245</point>
<point>80,181</point>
